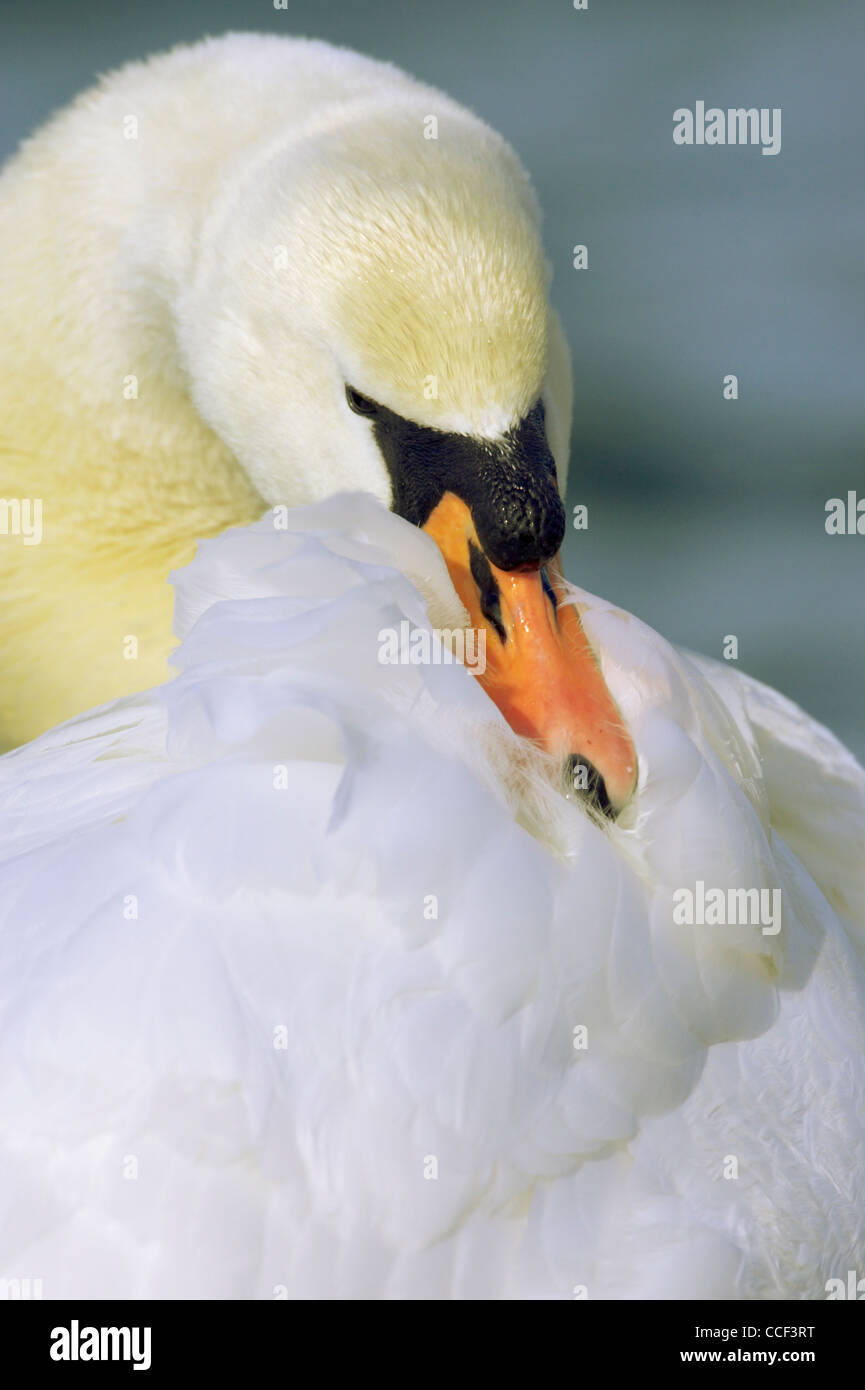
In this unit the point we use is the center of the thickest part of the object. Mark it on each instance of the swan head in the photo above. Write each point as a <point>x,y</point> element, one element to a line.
<point>369,310</point>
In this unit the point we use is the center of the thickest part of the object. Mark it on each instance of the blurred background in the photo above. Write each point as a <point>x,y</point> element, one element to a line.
<point>706,516</point>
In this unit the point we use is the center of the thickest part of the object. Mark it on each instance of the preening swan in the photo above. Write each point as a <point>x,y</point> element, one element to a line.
<point>274,289</point>
<point>311,981</point>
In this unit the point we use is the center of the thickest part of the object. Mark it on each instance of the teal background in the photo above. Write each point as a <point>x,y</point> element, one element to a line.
<point>706,516</point>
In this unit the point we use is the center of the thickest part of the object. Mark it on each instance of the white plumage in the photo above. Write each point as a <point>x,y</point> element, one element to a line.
<point>288,993</point>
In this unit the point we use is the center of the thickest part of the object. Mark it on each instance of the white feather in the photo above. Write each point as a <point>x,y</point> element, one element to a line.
<point>317,843</point>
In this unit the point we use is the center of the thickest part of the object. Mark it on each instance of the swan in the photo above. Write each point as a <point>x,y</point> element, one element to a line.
<point>312,982</point>
<point>207,310</point>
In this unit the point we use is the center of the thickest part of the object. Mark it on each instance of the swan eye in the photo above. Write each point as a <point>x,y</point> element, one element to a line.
<point>361,405</point>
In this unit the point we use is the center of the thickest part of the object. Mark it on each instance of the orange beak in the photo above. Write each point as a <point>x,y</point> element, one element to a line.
<point>540,668</point>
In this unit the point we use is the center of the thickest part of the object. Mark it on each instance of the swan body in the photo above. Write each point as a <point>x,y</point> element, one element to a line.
<point>292,990</point>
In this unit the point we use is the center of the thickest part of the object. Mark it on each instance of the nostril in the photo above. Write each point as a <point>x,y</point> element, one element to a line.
<point>583,778</point>
<point>488,590</point>
<point>548,588</point>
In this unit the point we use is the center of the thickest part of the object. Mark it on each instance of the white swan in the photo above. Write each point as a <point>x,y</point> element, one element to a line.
<point>242,272</point>
<point>312,984</point>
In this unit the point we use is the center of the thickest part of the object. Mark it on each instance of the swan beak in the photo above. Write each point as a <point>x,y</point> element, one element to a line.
<point>540,669</point>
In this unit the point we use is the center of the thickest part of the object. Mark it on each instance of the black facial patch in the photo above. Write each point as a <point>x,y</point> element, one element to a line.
<point>509,485</point>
